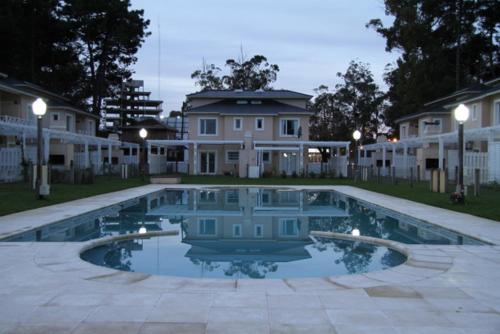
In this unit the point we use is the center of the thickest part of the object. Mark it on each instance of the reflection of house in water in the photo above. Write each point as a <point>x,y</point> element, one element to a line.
<point>131,218</point>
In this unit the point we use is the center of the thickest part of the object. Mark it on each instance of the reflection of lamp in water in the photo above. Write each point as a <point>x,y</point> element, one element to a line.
<point>355,232</point>
<point>142,230</point>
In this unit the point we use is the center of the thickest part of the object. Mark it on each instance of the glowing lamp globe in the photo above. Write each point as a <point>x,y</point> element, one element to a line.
<point>355,232</point>
<point>39,107</point>
<point>461,113</point>
<point>142,230</point>
<point>143,133</point>
<point>356,135</point>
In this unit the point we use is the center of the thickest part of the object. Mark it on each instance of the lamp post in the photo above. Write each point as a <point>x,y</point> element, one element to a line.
<point>39,109</point>
<point>356,135</point>
<point>461,114</point>
<point>143,133</point>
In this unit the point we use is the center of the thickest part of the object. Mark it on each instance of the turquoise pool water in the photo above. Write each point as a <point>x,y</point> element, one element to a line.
<point>244,232</point>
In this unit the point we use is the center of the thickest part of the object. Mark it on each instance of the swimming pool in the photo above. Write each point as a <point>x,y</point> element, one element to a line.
<point>244,232</point>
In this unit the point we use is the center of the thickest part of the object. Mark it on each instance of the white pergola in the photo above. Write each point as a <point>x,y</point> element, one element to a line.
<point>12,126</point>
<point>488,134</point>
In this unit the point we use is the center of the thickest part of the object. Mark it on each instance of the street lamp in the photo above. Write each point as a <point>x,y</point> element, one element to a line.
<point>143,133</point>
<point>39,108</point>
<point>461,114</point>
<point>356,135</point>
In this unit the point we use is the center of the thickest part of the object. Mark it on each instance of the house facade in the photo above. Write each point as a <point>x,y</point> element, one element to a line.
<point>428,138</point>
<point>69,133</point>
<point>251,133</point>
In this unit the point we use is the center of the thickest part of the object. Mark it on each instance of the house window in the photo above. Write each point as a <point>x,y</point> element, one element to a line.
<point>237,230</point>
<point>289,127</point>
<point>207,197</point>
<point>265,198</point>
<point>208,126</point>
<point>266,157</point>
<point>238,124</point>
<point>289,227</point>
<point>497,113</point>
<point>433,126</point>
<point>259,124</point>
<point>232,197</point>
<point>403,132</point>
<point>55,116</point>
<point>68,123</point>
<point>232,156</point>
<point>258,231</point>
<point>207,226</point>
<point>474,112</point>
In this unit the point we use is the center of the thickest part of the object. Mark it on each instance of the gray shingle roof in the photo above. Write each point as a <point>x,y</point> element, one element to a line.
<point>235,94</point>
<point>266,108</point>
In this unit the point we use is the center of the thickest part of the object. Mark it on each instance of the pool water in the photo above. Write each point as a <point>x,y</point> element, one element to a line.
<point>244,232</point>
<point>250,258</point>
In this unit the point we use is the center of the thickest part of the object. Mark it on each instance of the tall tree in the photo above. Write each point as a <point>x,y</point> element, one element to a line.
<point>356,103</point>
<point>444,45</point>
<point>252,74</point>
<point>109,34</point>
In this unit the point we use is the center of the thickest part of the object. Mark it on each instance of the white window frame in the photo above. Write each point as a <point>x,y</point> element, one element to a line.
<point>426,127</point>
<point>232,162</point>
<point>235,226</point>
<point>270,157</point>
<point>54,113</point>
<point>203,220</point>
<point>295,227</point>
<point>474,111</point>
<point>289,119</point>
<point>496,113</point>
<point>404,132</point>
<point>216,161</point>
<point>216,126</point>
<point>261,230</point>
<point>227,197</point>
<point>257,122</point>
<point>234,123</point>
<point>69,125</point>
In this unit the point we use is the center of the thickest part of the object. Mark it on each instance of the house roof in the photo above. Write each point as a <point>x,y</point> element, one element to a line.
<point>247,94</point>
<point>53,100</point>
<point>265,108</point>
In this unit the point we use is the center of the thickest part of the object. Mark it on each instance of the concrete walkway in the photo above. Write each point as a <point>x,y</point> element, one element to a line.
<point>47,288</point>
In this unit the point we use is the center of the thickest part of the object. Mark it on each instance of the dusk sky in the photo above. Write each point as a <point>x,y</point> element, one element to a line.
<point>310,41</point>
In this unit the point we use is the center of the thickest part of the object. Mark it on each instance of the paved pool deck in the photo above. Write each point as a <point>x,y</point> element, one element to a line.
<point>47,288</point>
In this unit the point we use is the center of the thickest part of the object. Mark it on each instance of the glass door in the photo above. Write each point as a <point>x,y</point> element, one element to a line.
<point>207,162</point>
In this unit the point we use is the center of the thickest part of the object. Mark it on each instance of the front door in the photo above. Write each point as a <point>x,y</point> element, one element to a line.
<point>207,162</point>
<point>288,162</point>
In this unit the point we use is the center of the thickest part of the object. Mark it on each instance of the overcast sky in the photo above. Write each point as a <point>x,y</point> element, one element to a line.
<point>310,40</point>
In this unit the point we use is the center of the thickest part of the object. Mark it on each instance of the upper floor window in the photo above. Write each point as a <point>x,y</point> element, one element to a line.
<point>208,126</point>
<point>289,127</point>
<point>237,124</point>
<point>69,123</point>
<point>433,126</point>
<point>289,227</point>
<point>207,226</point>
<point>403,132</point>
<point>474,112</point>
<point>259,124</point>
<point>55,116</point>
<point>497,113</point>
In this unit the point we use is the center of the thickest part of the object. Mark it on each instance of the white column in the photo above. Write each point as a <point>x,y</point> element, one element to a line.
<point>393,162</point>
<point>441,154</point>
<point>99,158</point>
<point>383,159</point>
<point>86,155</point>
<point>137,154</point>
<point>110,153</point>
<point>301,158</point>
<point>195,159</point>
<point>25,154</point>
<point>405,159</point>
<point>46,147</point>
<point>149,153</point>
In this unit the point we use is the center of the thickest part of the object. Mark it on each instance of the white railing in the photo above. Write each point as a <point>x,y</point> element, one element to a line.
<point>17,120</point>
<point>10,164</point>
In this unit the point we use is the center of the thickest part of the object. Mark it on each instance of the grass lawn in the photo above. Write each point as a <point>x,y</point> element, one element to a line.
<point>15,197</point>
<point>487,205</point>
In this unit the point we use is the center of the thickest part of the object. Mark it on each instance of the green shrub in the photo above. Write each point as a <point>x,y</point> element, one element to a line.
<point>283,174</point>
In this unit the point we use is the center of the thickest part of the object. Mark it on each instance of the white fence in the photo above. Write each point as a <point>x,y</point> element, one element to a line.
<point>472,161</point>
<point>494,162</point>
<point>10,167</point>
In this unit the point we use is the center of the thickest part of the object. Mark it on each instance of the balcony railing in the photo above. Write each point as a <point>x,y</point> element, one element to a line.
<point>17,120</point>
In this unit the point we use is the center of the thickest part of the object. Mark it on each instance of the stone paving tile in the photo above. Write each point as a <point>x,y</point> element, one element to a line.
<point>238,315</point>
<point>392,292</point>
<point>302,329</point>
<point>237,328</point>
<point>108,328</point>
<point>59,314</point>
<point>349,317</point>
<point>459,305</point>
<point>298,301</point>
<point>174,313</point>
<point>410,304</point>
<point>119,313</point>
<point>441,292</point>
<point>238,299</point>
<point>77,299</point>
<point>132,299</point>
<point>41,329</point>
<point>346,299</point>
<point>417,318</point>
<point>473,321</point>
<point>173,328</point>
<point>356,329</point>
<point>298,317</point>
<point>179,300</point>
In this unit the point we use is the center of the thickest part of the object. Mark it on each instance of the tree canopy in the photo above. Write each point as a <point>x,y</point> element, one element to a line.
<point>251,74</point>
<point>356,103</point>
<point>444,45</point>
<point>81,49</point>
